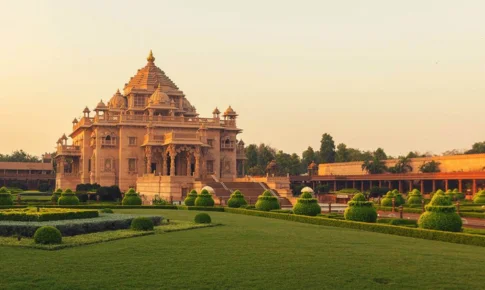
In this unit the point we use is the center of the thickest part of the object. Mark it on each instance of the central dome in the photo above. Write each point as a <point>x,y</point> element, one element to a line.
<point>149,77</point>
<point>159,97</point>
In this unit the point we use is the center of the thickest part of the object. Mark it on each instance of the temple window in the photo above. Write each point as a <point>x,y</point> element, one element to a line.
<point>139,101</point>
<point>132,141</point>
<point>109,140</point>
<point>210,166</point>
<point>132,165</point>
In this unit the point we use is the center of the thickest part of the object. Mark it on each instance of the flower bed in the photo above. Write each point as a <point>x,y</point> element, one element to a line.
<point>45,214</point>
<point>105,222</point>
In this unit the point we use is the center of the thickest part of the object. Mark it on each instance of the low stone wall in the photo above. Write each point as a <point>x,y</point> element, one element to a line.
<point>167,187</point>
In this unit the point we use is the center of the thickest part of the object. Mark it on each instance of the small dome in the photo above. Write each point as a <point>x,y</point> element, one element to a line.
<point>75,121</point>
<point>216,111</point>
<point>209,189</point>
<point>159,97</point>
<point>187,106</point>
<point>64,137</point>
<point>101,106</point>
<point>307,189</point>
<point>312,165</point>
<point>59,141</point>
<point>86,110</point>
<point>241,142</point>
<point>117,101</point>
<point>230,112</point>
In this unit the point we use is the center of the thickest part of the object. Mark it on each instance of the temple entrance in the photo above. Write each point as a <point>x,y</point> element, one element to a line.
<point>153,168</point>
<point>169,163</point>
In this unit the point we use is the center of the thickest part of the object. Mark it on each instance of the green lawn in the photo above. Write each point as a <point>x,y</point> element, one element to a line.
<point>248,253</point>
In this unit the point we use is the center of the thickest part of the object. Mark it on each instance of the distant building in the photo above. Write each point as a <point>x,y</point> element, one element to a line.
<point>463,172</point>
<point>27,174</point>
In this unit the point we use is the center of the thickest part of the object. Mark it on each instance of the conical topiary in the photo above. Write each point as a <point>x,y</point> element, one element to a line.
<point>68,198</point>
<point>131,198</point>
<point>55,195</point>
<point>5,196</point>
<point>440,215</point>
<point>307,205</point>
<point>479,197</point>
<point>415,197</point>
<point>204,199</point>
<point>361,210</point>
<point>458,195</point>
<point>190,199</point>
<point>236,200</point>
<point>267,202</point>
<point>387,200</point>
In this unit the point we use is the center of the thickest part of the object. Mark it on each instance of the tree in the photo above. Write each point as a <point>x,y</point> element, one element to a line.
<point>19,156</point>
<point>374,165</point>
<point>327,149</point>
<point>454,152</point>
<point>251,155</point>
<point>308,156</point>
<point>430,167</point>
<point>342,154</point>
<point>380,154</point>
<point>477,148</point>
<point>402,165</point>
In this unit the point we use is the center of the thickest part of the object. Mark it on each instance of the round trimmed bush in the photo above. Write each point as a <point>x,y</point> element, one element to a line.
<point>106,210</point>
<point>440,215</point>
<point>307,205</point>
<point>5,196</point>
<point>361,210</point>
<point>236,200</point>
<point>204,199</point>
<point>47,235</point>
<point>479,197</point>
<point>131,198</point>
<point>202,218</point>
<point>68,198</point>
<point>142,224</point>
<point>267,202</point>
<point>415,197</point>
<point>190,199</point>
<point>398,199</point>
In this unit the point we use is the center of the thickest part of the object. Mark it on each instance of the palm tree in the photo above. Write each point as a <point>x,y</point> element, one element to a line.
<point>374,165</point>
<point>402,165</point>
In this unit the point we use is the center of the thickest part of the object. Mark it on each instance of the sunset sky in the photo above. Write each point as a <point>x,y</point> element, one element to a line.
<point>402,75</point>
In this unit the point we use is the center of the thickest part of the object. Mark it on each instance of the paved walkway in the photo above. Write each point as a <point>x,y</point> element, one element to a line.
<point>467,222</point>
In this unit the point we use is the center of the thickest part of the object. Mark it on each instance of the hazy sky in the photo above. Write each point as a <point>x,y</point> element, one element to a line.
<point>402,75</point>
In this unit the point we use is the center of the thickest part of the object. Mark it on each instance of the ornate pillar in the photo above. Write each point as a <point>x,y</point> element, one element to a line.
<point>173,154</point>
<point>474,186</point>
<point>164,164</point>
<point>362,186</point>
<point>410,185</point>
<point>460,185</point>
<point>148,155</point>
<point>400,186</point>
<point>434,185</point>
<point>197,162</point>
<point>422,186</point>
<point>446,184</point>
<point>189,169</point>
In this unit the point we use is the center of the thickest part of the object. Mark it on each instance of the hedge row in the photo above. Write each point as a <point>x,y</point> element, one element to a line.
<point>201,208</point>
<point>72,228</point>
<point>458,238</point>
<point>20,215</point>
<point>405,209</point>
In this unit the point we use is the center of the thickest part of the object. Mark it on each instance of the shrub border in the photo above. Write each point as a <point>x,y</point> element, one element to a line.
<point>457,238</point>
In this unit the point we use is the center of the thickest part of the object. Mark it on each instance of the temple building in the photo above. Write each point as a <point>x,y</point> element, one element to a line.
<point>150,136</point>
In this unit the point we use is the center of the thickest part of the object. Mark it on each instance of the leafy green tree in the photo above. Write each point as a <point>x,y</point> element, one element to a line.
<point>342,154</point>
<point>402,166</point>
<point>308,156</point>
<point>380,154</point>
<point>430,167</point>
<point>374,165</point>
<point>477,148</point>
<point>19,156</point>
<point>327,149</point>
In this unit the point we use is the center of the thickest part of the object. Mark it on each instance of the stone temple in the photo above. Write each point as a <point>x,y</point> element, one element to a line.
<point>150,137</point>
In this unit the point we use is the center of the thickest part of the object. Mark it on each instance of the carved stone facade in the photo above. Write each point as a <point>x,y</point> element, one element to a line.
<point>149,133</point>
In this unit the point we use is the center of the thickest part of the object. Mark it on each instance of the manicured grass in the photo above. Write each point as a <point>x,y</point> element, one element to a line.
<point>248,252</point>
<point>101,237</point>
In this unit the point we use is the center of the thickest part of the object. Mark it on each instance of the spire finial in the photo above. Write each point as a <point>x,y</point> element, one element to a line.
<point>150,57</point>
